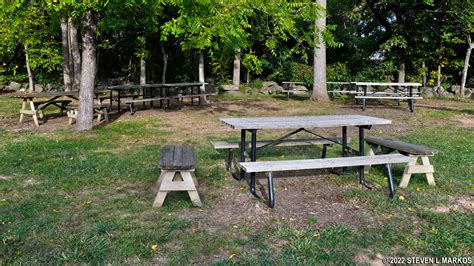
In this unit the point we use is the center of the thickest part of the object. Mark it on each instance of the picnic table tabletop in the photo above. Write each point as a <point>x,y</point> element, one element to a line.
<point>292,122</point>
<point>155,85</point>
<point>394,84</point>
<point>51,94</point>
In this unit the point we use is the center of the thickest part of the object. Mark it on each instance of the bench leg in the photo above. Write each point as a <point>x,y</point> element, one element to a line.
<point>131,109</point>
<point>344,147</point>
<point>407,173</point>
<point>429,170</point>
<point>23,107</point>
<point>324,151</point>
<point>372,150</point>
<point>253,157</point>
<point>230,156</point>
<point>390,180</point>
<point>33,109</point>
<point>193,194</point>
<point>271,191</point>
<point>242,152</point>
<point>105,113</point>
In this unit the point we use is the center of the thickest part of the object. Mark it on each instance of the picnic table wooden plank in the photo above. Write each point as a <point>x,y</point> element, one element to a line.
<point>178,158</point>
<point>272,166</point>
<point>391,97</point>
<point>402,146</point>
<point>394,84</point>
<point>292,122</point>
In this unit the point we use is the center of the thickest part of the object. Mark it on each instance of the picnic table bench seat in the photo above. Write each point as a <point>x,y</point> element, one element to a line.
<point>177,165</point>
<point>269,167</point>
<point>388,145</point>
<point>100,110</point>
<point>231,145</point>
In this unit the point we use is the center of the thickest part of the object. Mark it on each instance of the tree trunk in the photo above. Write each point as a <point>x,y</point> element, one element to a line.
<point>247,79</point>
<point>236,70</point>
<point>201,75</point>
<point>31,86</point>
<point>165,63</point>
<point>129,70</point>
<point>424,73</point>
<point>466,66</point>
<point>142,71</point>
<point>86,94</point>
<point>438,77</point>
<point>401,67</point>
<point>319,63</point>
<point>75,56</point>
<point>67,70</point>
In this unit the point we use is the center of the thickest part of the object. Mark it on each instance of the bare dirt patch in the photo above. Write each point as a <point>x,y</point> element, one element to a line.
<point>303,201</point>
<point>464,204</point>
<point>465,121</point>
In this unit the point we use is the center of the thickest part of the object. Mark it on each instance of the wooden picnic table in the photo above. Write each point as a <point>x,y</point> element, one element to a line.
<point>402,91</point>
<point>298,124</point>
<point>36,107</point>
<point>159,90</point>
<point>290,87</point>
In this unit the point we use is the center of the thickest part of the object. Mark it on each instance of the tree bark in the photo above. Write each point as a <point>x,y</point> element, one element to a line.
<point>86,94</point>
<point>67,70</point>
<point>236,70</point>
<point>31,86</point>
<point>319,63</point>
<point>142,71</point>
<point>165,63</point>
<point>438,77</point>
<point>75,56</point>
<point>401,67</point>
<point>201,75</point>
<point>466,66</point>
<point>424,73</point>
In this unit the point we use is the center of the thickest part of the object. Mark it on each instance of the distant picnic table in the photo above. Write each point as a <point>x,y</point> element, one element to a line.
<point>289,87</point>
<point>364,91</point>
<point>306,124</point>
<point>33,106</point>
<point>149,93</point>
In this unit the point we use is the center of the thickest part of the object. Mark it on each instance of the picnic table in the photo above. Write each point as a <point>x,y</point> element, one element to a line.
<point>299,124</point>
<point>290,87</point>
<point>34,107</point>
<point>158,92</point>
<point>372,90</point>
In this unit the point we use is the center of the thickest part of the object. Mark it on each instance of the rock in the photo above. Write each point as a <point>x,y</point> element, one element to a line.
<point>456,89</point>
<point>389,91</point>
<point>13,86</point>
<point>22,90</point>
<point>299,88</point>
<point>427,92</point>
<point>39,88</point>
<point>229,87</point>
<point>441,92</point>
<point>269,87</point>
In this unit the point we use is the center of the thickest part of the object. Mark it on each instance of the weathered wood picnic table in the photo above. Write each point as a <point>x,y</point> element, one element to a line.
<point>401,91</point>
<point>148,93</point>
<point>36,106</point>
<point>306,124</point>
<point>289,87</point>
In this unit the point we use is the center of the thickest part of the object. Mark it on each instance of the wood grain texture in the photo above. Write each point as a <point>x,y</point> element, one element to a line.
<point>401,146</point>
<point>178,158</point>
<point>272,166</point>
<point>218,145</point>
<point>293,122</point>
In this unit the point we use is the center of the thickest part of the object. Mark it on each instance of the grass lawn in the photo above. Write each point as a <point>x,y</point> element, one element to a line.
<point>68,197</point>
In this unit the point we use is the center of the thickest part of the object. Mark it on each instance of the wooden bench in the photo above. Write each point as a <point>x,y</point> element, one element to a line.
<point>36,108</point>
<point>230,146</point>
<point>132,103</point>
<point>177,165</point>
<point>99,110</point>
<point>388,145</point>
<point>269,167</point>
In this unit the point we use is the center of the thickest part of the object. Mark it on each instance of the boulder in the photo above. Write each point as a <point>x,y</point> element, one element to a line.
<point>441,92</point>
<point>427,92</point>
<point>39,88</point>
<point>269,87</point>
<point>229,87</point>
<point>13,86</point>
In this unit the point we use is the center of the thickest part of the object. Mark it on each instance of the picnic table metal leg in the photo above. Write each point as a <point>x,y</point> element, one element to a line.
<point>271,191</point>
<point>110,99</point>
<point>411,101</point>
<point>344,145</point>
<point>118,100</point>
<point>242,152</point>
<point>253,158</point>
<point>390,180</point>
<point>361,153</point>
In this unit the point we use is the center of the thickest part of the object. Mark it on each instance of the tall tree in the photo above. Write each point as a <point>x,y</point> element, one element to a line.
<point>319,63</point>
<point>89,64</point>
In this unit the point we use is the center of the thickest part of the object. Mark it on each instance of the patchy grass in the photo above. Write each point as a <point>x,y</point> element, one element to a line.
<point>68,197</point>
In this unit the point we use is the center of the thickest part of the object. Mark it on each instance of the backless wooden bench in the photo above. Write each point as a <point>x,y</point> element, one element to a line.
<point>177,165</point>
<point>388,145</point>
